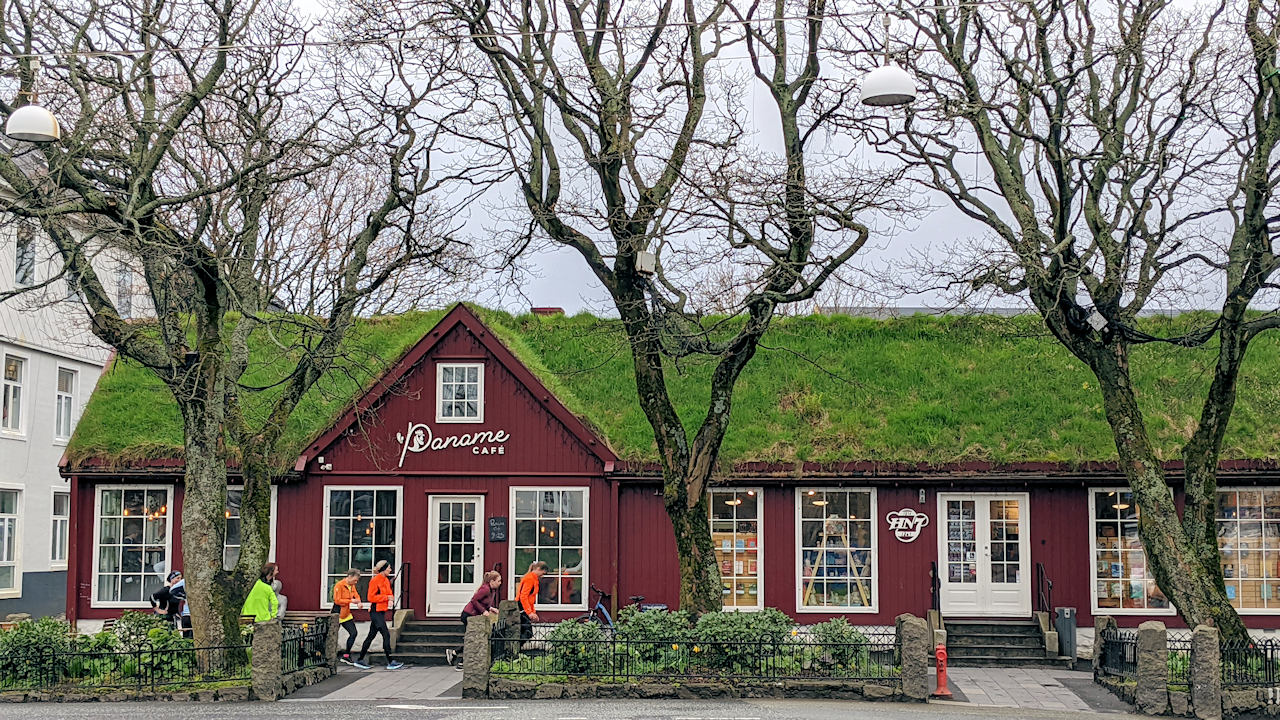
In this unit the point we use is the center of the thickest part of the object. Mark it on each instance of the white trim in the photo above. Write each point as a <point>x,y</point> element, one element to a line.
<point>53,495</point>
<point>97,527</point>
<point>324,531</point>
<point>20,432</point>
<point>433,539</point>
<point>586,543</point>
<point>1024,548</point>
<point>1093,565</point>
<point>760,574</point>
<point>873,562</point>
<point>16,590</point>
<point>440,366</point>
<point>59,439</point>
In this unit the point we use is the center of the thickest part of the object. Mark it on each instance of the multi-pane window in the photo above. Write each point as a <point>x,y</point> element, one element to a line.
<point>64,404</point>
<point>837,549</point>
<point>461,392</point>
<point>551,526</point>
<point>735,533</point>
<point>124,291</point>
<point>231,541</point>
<point>362,528</point>
<point>11,402</point>
<point>456,545</point>
<point>1120,576</point>
<point>8,539</point>
<point>61,518</point>
<point>132,543</point>
<point>1249,541</point>
<point>24,258</point>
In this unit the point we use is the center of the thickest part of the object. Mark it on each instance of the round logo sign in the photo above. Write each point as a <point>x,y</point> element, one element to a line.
<point>906,523</point>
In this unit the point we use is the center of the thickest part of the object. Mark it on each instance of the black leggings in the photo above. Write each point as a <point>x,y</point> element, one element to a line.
<point>464,617</point>
<point>378,625</point>
<point>350,627</point>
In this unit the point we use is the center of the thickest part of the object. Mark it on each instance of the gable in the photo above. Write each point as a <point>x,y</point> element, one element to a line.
<point>399,427</point>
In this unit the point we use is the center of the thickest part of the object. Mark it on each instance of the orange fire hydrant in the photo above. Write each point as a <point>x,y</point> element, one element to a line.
<point>940,654</point>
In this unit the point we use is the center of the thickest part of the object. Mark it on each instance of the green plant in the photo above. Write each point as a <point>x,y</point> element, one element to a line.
<point>134,628</point>
<point>737,641</point>
<point>171,656</point>
<point>28,652</point>
<point>650,634</point>
<point>841,644</point>
<point>577,647</point>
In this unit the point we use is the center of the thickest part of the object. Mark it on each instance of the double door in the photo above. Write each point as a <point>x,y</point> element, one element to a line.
<point>985,556</point>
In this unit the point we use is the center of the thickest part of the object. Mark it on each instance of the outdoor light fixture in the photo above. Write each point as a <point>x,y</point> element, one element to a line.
<point>887,85</point>
<point>31,122</point>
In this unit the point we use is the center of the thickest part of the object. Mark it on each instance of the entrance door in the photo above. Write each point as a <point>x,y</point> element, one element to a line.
<point>454,553</point>
<point>985,556</point>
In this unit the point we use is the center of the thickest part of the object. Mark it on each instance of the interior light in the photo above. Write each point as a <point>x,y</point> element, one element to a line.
<point>819,503</point>
<point>1121,506</point>
<point>811,493</point>
<point>752,493</point>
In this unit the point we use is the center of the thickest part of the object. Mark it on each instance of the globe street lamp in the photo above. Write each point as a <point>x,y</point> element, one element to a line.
<point>887,85</point>
<point>31,122</point>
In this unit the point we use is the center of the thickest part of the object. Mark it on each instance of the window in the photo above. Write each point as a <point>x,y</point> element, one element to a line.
<point>131,544</point>
<point>9,574</point>
<point>231,541</point>
<point>837,550</point>
<point>65,404</point>
<point>11,412</point>
<point>124,291</point>
<point>460,389</point>
<point>61,518</point>
<point>551,526</point>
<point>361,528</point>
<point>735,533</point>
<point>1120,578</point>
<point>24,259</point>
<point>1249,540</point>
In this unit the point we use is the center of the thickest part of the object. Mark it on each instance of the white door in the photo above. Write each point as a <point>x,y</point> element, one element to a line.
<point>455,554</point>
<point>985,556</point>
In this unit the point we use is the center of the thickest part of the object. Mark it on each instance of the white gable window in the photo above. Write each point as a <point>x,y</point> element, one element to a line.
<point>460,392</point>
<point>11,402</point>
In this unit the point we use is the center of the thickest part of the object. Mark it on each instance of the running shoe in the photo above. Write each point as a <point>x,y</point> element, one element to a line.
<point>360,665</point>
<point>449,655</point>
<point>395,665</point>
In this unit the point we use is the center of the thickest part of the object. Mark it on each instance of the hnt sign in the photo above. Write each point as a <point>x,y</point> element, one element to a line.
<point>419,438</point>
<point>906,523</point>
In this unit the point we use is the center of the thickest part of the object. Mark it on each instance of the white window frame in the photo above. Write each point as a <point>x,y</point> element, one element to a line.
<point>1216,520</point>
<point>874,560</point>
<point>24,255</point>
<point>271,548</point>
<point>324,532</point>
<point>760,574</point>
<point>440,366</point>
<point>64,399</point>
<point>21,384</point>
<point>124,291</point>
<point>54,521</point>
<point>1093,563</point>
<point>16,590</point>
<point>94,602</point>
<point>518,573</point>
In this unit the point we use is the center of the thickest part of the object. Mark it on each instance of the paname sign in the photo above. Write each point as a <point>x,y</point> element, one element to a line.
<point>419,438</point>
<point>906,524</point>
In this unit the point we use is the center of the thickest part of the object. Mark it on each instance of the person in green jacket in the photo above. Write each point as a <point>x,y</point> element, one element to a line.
<point>262,603</point>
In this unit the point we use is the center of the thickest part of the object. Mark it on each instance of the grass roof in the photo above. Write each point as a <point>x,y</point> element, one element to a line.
<point>933,390</point>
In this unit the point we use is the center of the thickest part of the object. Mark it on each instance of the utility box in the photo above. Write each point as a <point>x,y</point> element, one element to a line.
<point>1065,624</point>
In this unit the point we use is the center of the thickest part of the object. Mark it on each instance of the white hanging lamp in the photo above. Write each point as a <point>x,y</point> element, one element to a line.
<point>32,122</point>
<point>887,85</point>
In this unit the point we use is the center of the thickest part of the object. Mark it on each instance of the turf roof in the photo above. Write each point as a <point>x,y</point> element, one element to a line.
<point>933,390</point>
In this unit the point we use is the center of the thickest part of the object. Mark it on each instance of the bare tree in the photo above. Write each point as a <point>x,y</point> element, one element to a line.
<point>1089,139</point>
<point>202,141</point>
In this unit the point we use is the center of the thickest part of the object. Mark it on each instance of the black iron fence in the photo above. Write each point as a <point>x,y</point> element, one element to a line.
<point>304,645</point>
<point>1179,662</point>
<point>147,667</point>
<point>1120,652</point>
<point>609,657</point>
<point>1250,664</point>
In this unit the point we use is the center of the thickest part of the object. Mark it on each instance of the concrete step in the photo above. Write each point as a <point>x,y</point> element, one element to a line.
<point>991,661</point>
<point>407,635</point>
<point>956,651</point>
<point>980,627</point>
<point>1030,641</point>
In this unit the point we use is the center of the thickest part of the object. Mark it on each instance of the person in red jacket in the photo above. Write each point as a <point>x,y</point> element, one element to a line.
<point>379,601</point>
<point>483,602</point>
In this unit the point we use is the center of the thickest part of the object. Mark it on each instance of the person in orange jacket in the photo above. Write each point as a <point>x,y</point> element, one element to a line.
<point>379,601</point>
<point>345,599</point>
<point>527,596</point>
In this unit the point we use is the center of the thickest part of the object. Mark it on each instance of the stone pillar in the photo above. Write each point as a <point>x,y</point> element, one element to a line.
<point>331,644</point>
<point>1206,673</point>
<point>476,657</point>
<point>1100,623</point>
<point>914,638</point>
<point>1152,694</point>
<point>268,668</point>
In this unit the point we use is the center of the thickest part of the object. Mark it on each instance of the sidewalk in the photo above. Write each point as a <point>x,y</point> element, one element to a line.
<point>1031,689</point>
<point>409,683</point>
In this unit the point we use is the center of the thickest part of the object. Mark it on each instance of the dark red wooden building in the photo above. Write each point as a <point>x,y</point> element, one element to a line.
<point>460,459</point>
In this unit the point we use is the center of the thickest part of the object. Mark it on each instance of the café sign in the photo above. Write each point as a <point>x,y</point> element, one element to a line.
<point>419,438</point>
<point>906,524</point>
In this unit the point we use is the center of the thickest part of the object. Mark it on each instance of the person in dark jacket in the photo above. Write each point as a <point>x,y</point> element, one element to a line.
<point>483,602</point>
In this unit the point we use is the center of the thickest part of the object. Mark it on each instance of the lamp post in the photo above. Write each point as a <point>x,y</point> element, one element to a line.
<point>887,85</point>
<point>32,122</point>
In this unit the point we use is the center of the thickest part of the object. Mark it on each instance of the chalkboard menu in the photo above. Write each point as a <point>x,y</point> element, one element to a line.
<point>497,529</point>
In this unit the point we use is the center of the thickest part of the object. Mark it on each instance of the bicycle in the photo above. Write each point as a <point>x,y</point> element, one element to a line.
<point>599,613</point>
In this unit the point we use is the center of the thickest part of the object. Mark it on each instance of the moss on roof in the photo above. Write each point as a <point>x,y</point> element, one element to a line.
<point>933,390</point>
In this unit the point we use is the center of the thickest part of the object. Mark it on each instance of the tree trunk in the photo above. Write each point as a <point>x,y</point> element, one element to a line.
<point>700,584</point>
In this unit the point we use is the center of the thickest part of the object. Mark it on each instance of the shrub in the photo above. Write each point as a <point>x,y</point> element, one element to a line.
<point>171,656</point>
<point>27,651</point>
<point>576,648</point>
<point>735,641</point>
<point>134,629</point>
<point>97,660</point>
<point>650,636</point>
<point>841,644</point>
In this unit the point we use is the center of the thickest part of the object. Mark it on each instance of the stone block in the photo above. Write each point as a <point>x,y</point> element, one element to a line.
<point>1100,623</point>
<point>1051,643</point>
<point>575,691</point>
<point>655,690</point>
<point>1239,701</point>
<point>1179,703</point>
<point>914,637</point>
<point>876,691</point>
<point>267,668</point>
<point>1205,674</point>
<point>331,643</point>
<point>611,691</point>
<point>476,657</point>
<point>703,689</point>
<point>549,691</point>
<point>234,694</point>
<point>1152,692</point>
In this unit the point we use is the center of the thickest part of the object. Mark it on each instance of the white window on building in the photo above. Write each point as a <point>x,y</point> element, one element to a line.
<point>1121,580</point>
<point>1249,541</point>
<point>65,404</point>
<point>131,544</point>
<point>361,527</point>
<point>24,256</point>
<point>61,521</point>
<point>735,533</point>
<point>551,526</point>
<point>231,541</point>
<point>11,402</point>
<point>460,389</point>
<point>10,573</point>
<point>836,541</point>
<point>124,291</point>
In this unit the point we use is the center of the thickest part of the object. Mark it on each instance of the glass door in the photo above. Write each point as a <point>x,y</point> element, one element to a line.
<point>454,552</point>
<point>984,554</point>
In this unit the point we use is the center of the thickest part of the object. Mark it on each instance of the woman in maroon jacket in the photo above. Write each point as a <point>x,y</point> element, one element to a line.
<point>483,602</point>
